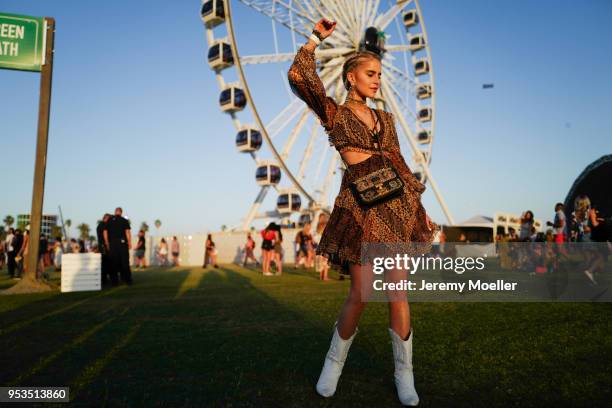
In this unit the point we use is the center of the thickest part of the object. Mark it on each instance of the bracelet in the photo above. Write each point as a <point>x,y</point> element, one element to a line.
<point>318,34</point>
<point>315,39</point>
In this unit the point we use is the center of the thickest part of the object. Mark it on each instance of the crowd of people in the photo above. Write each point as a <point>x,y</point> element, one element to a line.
<point>584,226</point>
<point>273,254</point>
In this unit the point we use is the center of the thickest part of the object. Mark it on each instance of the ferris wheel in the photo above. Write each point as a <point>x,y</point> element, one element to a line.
<point>290,149</point>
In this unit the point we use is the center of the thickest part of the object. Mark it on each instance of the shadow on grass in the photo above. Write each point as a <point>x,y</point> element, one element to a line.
<point>231,337</point>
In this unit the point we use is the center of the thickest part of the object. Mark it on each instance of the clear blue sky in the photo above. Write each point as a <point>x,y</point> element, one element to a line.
<point>135,117</point>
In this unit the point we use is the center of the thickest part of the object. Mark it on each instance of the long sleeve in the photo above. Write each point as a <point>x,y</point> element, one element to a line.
<point>307,85</point>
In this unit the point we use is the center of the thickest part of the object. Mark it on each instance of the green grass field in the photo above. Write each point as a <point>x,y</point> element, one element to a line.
<point>231,337</point>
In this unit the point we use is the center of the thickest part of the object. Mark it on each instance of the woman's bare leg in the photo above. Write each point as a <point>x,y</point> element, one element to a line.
<point>399,309</point>
<point>399,318</point>
<point>355,303</point>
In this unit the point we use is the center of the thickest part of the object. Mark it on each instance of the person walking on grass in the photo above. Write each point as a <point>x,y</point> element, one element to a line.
<point>594,236</point>
<point>277,254</point>
<point>268,235</point>
<point>139,252</point>
<point>162,253</point>
<point>210,252</point>
<point>118,240</point>
<point>175,250</point>
<point>249,249</point>
<point>367,142</point>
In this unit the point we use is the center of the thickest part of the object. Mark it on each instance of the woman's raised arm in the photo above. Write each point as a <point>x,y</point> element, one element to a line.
<point>305,82</point>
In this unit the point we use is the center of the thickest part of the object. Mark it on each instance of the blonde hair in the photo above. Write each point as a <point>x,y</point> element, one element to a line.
<point>582,204</point>
<point>353,61</point>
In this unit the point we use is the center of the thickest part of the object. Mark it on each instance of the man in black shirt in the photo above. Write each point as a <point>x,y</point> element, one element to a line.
<point>103,249</point>
<point>118,240</point>
<point>12,250</point>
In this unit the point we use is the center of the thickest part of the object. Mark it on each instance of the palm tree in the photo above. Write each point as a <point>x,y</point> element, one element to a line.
<point>56,232</point>
<point>84,231</point>
<point>144,226</point>
<point>157,224</point>
<point>8,221</point>
<point>68,223</point>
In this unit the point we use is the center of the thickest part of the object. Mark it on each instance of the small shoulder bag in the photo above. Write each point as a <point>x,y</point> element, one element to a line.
<point>380,185</point>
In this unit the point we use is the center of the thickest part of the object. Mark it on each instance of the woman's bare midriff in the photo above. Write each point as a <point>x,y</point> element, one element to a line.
<point>352,157</point>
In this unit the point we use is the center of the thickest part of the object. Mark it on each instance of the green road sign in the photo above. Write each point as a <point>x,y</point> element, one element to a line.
<point>21,42</point>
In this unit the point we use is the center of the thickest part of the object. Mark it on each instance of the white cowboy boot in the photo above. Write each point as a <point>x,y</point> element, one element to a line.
<point>334,361</point>
<point>404,379</point>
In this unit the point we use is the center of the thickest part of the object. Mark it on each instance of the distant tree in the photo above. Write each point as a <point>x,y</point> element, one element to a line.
<point>83,231</point>
<point>223,227</point>
<point>56,232</point>
<point>21,225</point>
<point>68,223</point>
<point>8,221</point>
<point>144,226</point>
<point>157,224</point>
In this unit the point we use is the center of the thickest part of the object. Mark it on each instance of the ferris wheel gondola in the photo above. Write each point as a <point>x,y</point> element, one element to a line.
<point>424,137</point>
<point>232,99</point>
<point>416,42</point>
<point>292,138</point>
<point>248,140</point>
<point>220,56</point>
<point>288,201</point>
<point>268,174</point>
<point>213,13</point>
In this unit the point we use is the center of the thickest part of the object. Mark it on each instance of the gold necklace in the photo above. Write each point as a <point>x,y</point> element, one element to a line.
<point>363,102</point>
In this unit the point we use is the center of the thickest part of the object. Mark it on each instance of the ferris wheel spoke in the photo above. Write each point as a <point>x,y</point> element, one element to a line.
<point>383,20</point>
<point>290,56</point>
<point>278,123</point>
<point>395,108</point>
<point>266,58</point>
<point>399,82</point>
<point>403,104</point>
<point>331,170</point>
<point>314,132</point>
<point>398,72</point>
<point>306,7</point>
<point>284,14</point>
<point>349,12</point>
<point>398,48</point>
<point>345,28</point>
<point>371,12</point>
<point>294,134</point>
<point>336,13</point>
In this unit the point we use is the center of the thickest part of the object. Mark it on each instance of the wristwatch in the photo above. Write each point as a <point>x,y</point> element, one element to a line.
<point>318,34</point>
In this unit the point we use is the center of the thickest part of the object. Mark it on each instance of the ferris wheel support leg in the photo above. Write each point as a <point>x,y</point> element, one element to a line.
<point>390,99</point>
<point>254,208</point>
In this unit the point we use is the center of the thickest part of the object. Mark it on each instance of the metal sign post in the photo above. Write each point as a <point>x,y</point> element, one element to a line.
<point>26,44</point>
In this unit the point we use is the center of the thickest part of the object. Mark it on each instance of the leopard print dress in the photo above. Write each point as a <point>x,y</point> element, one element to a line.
<point>396,221</point>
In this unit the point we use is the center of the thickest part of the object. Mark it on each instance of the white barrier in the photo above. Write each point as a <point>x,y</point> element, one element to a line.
<point>229,244</point>
<point>81,272</point>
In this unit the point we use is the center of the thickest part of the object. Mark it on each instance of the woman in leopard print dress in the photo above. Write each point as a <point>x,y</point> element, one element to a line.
<point>350,128</point>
